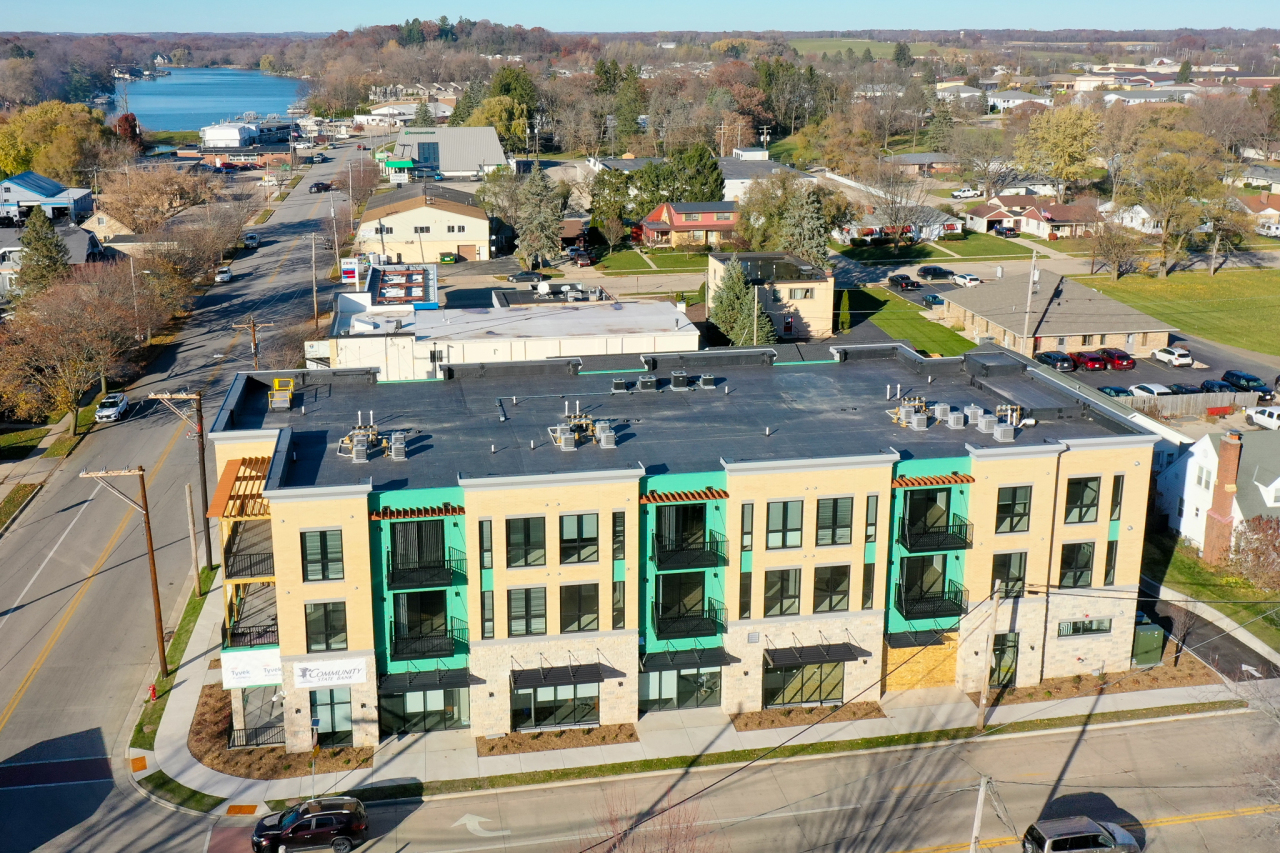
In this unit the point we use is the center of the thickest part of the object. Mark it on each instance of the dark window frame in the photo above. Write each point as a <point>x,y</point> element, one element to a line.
<point>868,586</point>
<point>748,525</point>
<point>1077,511</point>
<point>329,567</point>
<point>619,535</point>
<point>1084,627</point>
<point>486,614</point>
<point>1074,574</point>
<point>784,600</point>
<point>790,530</point>
<point>580,548</point>
<point>838,529</point>
<point>333,615</point>
<point>486,543</point>
<point>831,589</point>
<point>1117,496</point>
<point>519,556</point>
<point>1109,571</point>
<point>872,517</point>
<point>1013,509</point>
<point>744,595</point>
<point>531,609</point>
<point>579,608</point>
<point>619,605</point>
<point>1012,577</point>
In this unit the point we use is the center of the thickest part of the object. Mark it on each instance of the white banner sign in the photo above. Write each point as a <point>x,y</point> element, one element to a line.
<point>254,668</point>
<point>330,673</point>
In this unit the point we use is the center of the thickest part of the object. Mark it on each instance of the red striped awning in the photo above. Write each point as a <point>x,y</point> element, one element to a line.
<point>408,513</point>
<point>708,494</point>
<point>952,479</point>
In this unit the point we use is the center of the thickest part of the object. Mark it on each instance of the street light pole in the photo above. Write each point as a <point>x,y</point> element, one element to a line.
<point>253,335</point>
<point>142,507</point>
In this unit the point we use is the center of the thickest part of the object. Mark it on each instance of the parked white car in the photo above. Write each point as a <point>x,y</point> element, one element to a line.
<point>113,407</point>
<point>1267,417</point>
<point>964,279</point>
<point>966,192</point>
<point>222,275</point>
<point>1173,356</point>
<point>1268,229</point>
<point>1150,389</point>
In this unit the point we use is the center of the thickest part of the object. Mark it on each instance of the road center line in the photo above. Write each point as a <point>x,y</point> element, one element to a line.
<point>13,607</point>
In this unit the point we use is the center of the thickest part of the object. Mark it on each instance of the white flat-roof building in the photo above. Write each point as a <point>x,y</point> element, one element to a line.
<point>232,134</point>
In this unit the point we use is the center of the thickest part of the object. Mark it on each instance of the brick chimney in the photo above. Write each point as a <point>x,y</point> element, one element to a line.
<point>1218,525</point>
<point>1264,197</point>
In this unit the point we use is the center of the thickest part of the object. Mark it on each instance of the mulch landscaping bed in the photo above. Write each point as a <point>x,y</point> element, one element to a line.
<point>1189,672</point>
<point>518,742</point>
<point>207,741</point>
<point>777,718</point>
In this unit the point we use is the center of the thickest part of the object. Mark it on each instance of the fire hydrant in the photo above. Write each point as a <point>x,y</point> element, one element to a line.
<point>151,693</point>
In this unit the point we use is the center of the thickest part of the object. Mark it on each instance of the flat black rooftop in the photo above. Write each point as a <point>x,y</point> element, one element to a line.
<point>817,408</point>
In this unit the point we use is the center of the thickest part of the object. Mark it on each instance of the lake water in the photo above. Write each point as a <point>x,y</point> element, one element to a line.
<point>191,98</point>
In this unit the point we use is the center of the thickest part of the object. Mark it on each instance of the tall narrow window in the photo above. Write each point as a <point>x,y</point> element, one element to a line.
<point>486,544</point>
<point>1009,571</point>
<point>782,592</point>
<point>526,542</point>
<point>579,538</point>
<point>486,614</point>
<point>873,510</point>
<point>322,555</point>
<point>744,595</point>
<point>784,524</point>
<point>1077,565</point>
<point>619,605</point>
<point>579,608</point>
<point>1117,495</point>
<point>326,626</point>
<point>1013,509</point>
<point>835,521</point>
<point>619,536</point>
<point>1082,500</point>
<point>526,611</point>
<point>748,525</point>
<point>830,589</point>
<point>1109,576</point>
<point>868,586</point>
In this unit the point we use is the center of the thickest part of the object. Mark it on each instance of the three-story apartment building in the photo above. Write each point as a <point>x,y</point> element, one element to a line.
<point>577,542</point>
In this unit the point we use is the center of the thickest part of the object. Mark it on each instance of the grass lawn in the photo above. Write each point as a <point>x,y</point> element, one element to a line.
<point>1180,569</point>
<point>167,788</point>
<point>901,319</point>
<point>16,497</point>
<point>144,733</point>
<point>618,261</point>
<point>879,49</point>
<point>987,245</point>
<point>19,443</point>
<point>1077,246</point>
<point>679,260</point>
<point>84,423</point>
<point>1236,307</point>
<point>263,217</point>
<point>906,253</point>
<point>171,137</point>
<point>784,150</point>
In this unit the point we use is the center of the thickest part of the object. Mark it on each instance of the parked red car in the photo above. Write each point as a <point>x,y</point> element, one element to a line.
<point>1088,361</point>
<point>1117,359</point>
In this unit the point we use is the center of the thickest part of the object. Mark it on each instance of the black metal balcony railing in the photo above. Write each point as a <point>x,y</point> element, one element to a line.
<point>420,574</point>
<point>237,637</point>
<point>436,644</point>
<point>948,603</point>
<point>707,622</point>
<point>955,536</point>
<point>680,554</point>
<point>251,565</point>
<point>257,736</point>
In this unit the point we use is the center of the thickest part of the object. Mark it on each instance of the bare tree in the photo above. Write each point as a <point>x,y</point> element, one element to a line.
<point>145,198</point>
<point>1257,552</point>
<point>1117,247</point>
<point>899,202</point>
<point>986,154</point>
<point>666,827</point>
<point>613,230</point>
<point>1184,621</point>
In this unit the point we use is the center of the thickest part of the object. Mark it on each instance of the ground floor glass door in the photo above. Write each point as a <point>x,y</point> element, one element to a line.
<point>673,689</point>
<point>425,711</point>
<point>1004,669</point>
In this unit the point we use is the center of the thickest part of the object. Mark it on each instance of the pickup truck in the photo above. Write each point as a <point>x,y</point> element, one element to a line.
<point>966,192</point>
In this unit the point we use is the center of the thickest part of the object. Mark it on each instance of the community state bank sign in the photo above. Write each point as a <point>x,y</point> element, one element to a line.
<point>330,673</point>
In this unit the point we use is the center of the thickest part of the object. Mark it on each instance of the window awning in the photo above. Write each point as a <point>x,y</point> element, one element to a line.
<point>801,655</point>
<point>688,659</point>
<point>710,493</point>
<point>239,492</point>
<point>411,682</point>
<point>408,513</point>
<point>399,164</point>
<point>557,676</point>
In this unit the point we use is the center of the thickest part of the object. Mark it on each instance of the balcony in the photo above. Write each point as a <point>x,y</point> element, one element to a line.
<point>956,536</point>
<point>949,603</point>
<point>679,554</point>
<point>242,566</point>
<point>706,622</point>
<point>251,618</point>
<point>424,574</point>
<point>249,553</point>
<point>436,644</point>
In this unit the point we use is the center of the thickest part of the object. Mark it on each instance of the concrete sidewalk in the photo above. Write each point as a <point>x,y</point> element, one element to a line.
<point>34,469</point>
<point>447,755</point>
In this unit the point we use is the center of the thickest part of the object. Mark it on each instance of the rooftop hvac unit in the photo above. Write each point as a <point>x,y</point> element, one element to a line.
<point>648,382</point>
<point>987,423</point>
<point>955,420</point>
<point>706,380</point>
<point>398,447</point>
<point>564,437</point>
<point>619,385</point>
<point>360,449</point>
<point>941,411</point>
<point>920,422</point>
<point>1004,432</point>
<point>679,379</point>
<point>973,412</point>
<point>605,435</point>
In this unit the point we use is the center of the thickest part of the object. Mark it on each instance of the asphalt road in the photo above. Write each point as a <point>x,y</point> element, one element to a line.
<point>77,637</point>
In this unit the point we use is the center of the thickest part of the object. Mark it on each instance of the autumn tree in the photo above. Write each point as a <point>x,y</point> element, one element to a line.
<point>1116,246</point>
<point>504,114</point>
<point>499,195</point>
<point>58,140</point>
<point>143,199</point>
<point>44,257</point>
<point>540,220</point>
<point>1059,144</point>
<point>126,127</point>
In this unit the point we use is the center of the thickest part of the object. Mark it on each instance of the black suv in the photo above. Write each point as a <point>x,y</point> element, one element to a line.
<point>935,274</point>
<point>319,187</point>
<point>339,823</point>
<point>1242,381</point>
<point>1056,360</point>
<point>904,282</point>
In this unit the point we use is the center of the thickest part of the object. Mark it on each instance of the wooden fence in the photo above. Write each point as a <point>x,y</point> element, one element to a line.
<point>1193,405</point>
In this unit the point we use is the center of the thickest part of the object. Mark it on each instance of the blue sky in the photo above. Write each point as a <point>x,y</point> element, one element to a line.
<point>647,16</point>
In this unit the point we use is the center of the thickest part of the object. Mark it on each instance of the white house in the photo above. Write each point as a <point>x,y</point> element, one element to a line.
<point>1136,216</point>
<point>1011,98</point>
<point>958,93</point>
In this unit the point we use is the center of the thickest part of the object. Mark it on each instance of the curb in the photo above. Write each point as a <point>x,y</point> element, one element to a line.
<point>18,512</point>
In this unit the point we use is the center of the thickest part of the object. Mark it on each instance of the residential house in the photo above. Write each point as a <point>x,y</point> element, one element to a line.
<point>1010,98</point>
<point>958,93</point>
<point>399,113</point>
<point>418,223</point>
<point>104,226</point>
<point>1136,216</point>
<point>920,223</point>
<point>402,576</point>
<point>82,248</point>
<point>25,190</point>
<point>1053,221</point>
<point>455,152</point>
<point>797,296</point>
<point>1259,176</point>
<point>1060,82</point>
<point>1021,184</point>
<point>690,224</point>
<point>1064,315</point>
<point>748,164</point>
<point>1263,208</point>
<point>1145,96</point>
<point>924,164</point>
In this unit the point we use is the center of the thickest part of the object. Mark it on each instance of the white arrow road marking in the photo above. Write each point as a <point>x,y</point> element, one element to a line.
<point>1250,670</point>
<point>472,823</point>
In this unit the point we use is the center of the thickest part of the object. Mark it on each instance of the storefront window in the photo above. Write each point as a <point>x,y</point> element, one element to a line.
<point>333,709</point>
<point>673,689</point>
<point>555,707</point>
<point>795,685</point>
<point>425,711</point>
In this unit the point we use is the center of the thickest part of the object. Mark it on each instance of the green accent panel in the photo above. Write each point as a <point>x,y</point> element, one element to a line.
<point>619,570</point>
<point>868,553</point>
<point>486,580</point>
<point>1113,532</point>
<point>744,561</point>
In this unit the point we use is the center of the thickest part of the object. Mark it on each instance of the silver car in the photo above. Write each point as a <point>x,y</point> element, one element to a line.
<point>1079,835</point>
<point>222,275</point>
<point>112,407</point>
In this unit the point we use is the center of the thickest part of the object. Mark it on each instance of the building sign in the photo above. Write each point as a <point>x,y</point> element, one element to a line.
<point>351,269</point>
<point>251,668</point>
<point>330,673</point>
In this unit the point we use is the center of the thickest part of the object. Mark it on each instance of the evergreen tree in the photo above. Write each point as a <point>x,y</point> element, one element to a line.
<point>611,195</point>
<point>467,104</point>
<point>423,117</point>
<point>44,256</point>
<point>938,136</point>
<point>1184,72</point>
<point>628,106</point>
<point>540,220</point>
<point>698,176</point>
<point>608,76</point>
<point>735,303</point>
<point>848,55</point>
<point>867,58</point>
<point>516,84</point>
<point>845,322</point>
<point>804,228</point>
<point>902,55</point>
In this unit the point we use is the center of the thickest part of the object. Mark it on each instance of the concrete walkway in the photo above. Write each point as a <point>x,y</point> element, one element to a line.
<point>453,755</point>
<point>34,469</point>
<point>1042,251</point>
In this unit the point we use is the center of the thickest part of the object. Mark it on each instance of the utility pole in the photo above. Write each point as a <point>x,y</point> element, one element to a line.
<point>977,817</point>
<point>1026,319</point>
<point>989,661</point>
<point>197,427</point>
<point>253,335</point>
<point>755,315</point>
<point>315,300</point>
<point>191,533</point>
<point>140,506</point>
